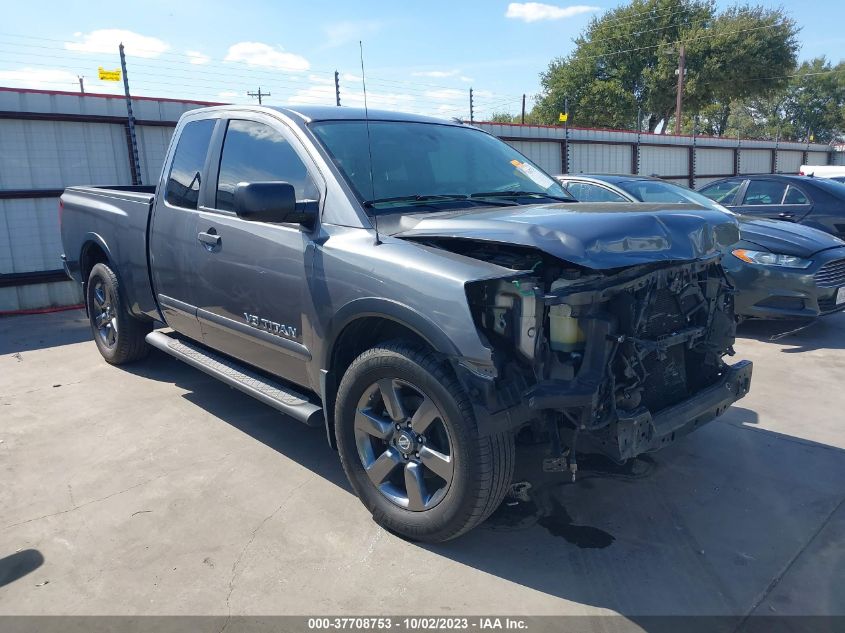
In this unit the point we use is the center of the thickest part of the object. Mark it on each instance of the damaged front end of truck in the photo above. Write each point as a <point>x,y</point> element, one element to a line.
<point>619,360</point>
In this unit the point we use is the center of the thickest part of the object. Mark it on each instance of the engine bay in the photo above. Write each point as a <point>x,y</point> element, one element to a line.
<point>588,354</point>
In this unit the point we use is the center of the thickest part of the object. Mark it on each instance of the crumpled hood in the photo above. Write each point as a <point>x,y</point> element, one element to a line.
<point>785,237</point>
<point>597,236</point>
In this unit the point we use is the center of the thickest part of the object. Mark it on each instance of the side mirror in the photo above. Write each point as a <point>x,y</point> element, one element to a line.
<point>272,202</point>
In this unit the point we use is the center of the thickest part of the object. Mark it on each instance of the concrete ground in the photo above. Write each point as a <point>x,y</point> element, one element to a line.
<point>155,489</point>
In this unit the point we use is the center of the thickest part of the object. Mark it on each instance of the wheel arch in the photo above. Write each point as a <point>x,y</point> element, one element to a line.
<point>94,251</point>
<point>363,324</point>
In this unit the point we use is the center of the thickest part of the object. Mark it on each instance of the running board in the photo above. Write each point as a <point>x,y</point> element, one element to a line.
<point>234,374</point>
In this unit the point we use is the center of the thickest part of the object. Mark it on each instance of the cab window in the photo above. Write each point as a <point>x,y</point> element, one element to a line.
<point>256,152</point>
<point>183,183</point>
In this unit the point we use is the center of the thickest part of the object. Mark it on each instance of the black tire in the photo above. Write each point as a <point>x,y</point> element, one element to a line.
<point>482,467</point>
<point>119,336</point>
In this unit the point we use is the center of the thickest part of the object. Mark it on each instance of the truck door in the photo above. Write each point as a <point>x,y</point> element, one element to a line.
<point>173,233</point>
<point>251,278</point>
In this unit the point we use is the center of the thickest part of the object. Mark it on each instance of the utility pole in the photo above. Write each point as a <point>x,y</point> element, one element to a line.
<point>682,62</point>
<point>471,112</point>
<point>523,109</point>
<point>258,94</point>
<point>337,89</point>
<point>81,83</point>
<point>130,122</point>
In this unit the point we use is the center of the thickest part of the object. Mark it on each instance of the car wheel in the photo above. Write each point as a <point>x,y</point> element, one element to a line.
<point>411,448</point>
<point>118,335</point>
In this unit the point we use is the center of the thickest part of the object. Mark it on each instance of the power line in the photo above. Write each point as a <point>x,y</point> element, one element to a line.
<point>684,41</point>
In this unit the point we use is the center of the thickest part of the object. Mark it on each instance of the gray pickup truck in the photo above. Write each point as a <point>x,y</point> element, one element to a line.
<point>418,287</point>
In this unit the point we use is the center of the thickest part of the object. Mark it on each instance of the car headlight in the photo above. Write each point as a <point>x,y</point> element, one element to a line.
<point>771,259</point>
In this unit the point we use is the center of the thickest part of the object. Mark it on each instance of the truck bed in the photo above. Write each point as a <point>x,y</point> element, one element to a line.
<point>114,221</point>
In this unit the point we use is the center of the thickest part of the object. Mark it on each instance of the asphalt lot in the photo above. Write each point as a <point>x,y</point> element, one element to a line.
<point>155,489</point>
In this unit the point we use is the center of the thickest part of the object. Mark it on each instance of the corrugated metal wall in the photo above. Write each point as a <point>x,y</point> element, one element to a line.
<point>664,161</point>
<point>49,140</point>
<point>755,161</point>
<point>711,160</point>
<point>604,158</point>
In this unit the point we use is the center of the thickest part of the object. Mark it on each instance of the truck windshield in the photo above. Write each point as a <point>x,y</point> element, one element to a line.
<point>429,166</point>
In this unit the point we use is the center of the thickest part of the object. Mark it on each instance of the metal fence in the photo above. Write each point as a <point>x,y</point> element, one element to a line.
<point>690,160</point>
<point>50,140</point>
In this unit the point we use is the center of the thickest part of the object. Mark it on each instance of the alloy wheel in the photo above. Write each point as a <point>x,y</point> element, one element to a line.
<point>404,444</point>
<point>103,314</point>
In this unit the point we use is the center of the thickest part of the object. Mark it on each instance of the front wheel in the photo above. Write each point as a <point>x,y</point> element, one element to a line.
<point>411,448</point>
<point>119,336</point>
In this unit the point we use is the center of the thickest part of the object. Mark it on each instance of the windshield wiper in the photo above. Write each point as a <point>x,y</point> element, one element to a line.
<point>418,198</point>
<point>520,194</point>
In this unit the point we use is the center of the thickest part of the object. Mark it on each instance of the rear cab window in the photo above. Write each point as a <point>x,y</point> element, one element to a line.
<point>183,183</point>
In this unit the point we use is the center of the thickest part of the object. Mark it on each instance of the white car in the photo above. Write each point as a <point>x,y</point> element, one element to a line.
<point>833,172</point>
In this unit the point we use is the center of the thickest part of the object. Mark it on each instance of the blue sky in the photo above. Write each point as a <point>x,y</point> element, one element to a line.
<point>420,56</point>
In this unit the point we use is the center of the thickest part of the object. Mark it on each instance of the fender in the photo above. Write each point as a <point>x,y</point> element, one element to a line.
<point>386,309</point>
<point>362,308</point>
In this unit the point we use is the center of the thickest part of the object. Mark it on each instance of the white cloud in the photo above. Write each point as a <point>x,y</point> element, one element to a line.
<point>45,78</point>
<point>340,33</point>
<point>197,57</point>
<point>260,54</point>
<point>436,73</point>
<point>465,79</point>
<point>536,11</point>
<point>323,94</point>
<point>447,94</point>
<point>107,41</point>
<point>317,79</point>
<point>227,94</point>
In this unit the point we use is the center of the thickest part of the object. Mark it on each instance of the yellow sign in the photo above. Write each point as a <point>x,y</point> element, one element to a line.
<point>812,137</point>
<point>564,117</point>
<point>108,75</point>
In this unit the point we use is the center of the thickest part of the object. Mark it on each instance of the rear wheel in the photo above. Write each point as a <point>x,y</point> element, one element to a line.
<point>119,336</point>
<point>410,445</point>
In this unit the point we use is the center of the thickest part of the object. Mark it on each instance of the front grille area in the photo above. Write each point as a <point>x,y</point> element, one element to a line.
<point>667,379</point>
<point>665,316</point>
<point>831,275</point>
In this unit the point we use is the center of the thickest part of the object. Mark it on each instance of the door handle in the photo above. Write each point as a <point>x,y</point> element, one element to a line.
<point>210,239</point>
<point>786,216</point>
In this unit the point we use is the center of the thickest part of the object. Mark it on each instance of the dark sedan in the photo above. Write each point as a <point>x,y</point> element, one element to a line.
<point>816,202</point>
<point>780,269</point>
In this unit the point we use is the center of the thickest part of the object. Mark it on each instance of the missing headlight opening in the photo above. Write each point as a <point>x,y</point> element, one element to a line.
<point>621,361</point>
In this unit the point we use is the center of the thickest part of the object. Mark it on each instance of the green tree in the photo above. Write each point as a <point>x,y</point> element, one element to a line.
<point>502,117</point>
<point>746,55</point>
<point>625,62</point>
<point>815,101</point>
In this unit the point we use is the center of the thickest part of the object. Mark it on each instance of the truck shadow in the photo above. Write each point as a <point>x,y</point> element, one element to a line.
<point>706,526</point>
<point>33,332</point>
<point>15,566</point>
